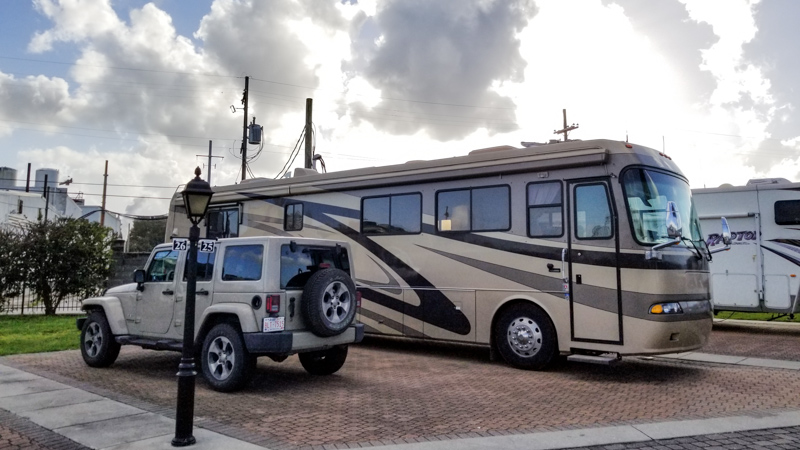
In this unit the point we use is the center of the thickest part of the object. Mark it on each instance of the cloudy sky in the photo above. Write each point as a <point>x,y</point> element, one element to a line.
<point>147,85</point>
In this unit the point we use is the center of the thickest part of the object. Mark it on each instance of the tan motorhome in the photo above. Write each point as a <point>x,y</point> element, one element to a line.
<point>572,248</point>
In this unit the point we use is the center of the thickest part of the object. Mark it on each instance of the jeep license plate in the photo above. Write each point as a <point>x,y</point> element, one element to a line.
<point>273,324</point>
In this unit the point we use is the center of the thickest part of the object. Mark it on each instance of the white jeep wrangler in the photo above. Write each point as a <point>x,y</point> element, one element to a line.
<point>255,296</point>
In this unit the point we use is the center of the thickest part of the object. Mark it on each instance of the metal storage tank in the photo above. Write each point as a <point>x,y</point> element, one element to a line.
<point>8,178</point>
<point>52,179</point>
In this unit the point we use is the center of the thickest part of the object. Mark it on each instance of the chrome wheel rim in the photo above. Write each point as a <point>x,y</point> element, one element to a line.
<point>93,339</point>
<point>221,358</point>
<point>524,337</point>
<point>336,302</point>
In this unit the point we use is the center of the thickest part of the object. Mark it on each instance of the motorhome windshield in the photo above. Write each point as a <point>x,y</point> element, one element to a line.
<point>647,193</point>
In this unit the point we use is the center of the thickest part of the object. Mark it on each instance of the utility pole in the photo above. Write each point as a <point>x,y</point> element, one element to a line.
<point>103,207</point>
<point>244,128</point>
<point>309,135</point>
<point>566,128</point>
<point>209,161</point>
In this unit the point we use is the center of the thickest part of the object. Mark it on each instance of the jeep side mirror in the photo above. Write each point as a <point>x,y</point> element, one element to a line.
<point>138,278</point>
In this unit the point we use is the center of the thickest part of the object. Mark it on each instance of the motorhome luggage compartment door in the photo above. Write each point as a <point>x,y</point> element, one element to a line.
<point>593,263</point>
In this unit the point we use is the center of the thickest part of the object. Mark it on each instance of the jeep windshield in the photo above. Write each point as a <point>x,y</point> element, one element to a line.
<point>647,192</point>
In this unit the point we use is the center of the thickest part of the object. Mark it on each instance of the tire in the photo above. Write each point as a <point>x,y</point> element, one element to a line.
<point>324,362</point>
<point>525,337</point>
<point>225,362</point>
<point>98,347</point>
<point>329,302</point>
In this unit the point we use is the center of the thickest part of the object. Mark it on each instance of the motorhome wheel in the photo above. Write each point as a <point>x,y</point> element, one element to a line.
<point>525,337</point>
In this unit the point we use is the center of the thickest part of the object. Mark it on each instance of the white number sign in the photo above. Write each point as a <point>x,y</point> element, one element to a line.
<point>180,244</point>
<point>207,245</point>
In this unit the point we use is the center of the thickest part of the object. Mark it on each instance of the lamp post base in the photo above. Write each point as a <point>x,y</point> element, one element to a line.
<point>183,442</point>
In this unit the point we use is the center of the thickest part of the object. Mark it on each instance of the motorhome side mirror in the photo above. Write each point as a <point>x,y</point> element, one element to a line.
<point>674,229</point>
<point>726,232</point>
<point>138,278</point>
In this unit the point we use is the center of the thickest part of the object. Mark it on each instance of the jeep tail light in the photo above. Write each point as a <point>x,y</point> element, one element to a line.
<point>273,303</point>
<point>358,299</point>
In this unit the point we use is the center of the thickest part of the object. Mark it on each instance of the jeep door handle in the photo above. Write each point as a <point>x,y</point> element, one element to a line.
<point>202,292</point>
<point>168,292</point>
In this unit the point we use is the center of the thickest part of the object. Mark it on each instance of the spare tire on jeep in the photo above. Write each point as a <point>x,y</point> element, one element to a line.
<point>329,302</point>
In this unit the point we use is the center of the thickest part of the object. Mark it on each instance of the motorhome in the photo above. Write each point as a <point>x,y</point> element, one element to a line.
<point>759,273</point>
<point>573,248</point>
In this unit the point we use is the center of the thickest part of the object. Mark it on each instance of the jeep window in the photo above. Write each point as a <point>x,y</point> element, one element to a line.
<point>205,265</point>
<point>162,267</point>
<point>242,263</point>
<point>298,266</point>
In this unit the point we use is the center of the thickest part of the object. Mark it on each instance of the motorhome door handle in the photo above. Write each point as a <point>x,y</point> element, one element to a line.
<point>552,268</point>
<point>167,292</point>
<point>202,292</point>
<point>563,265</point>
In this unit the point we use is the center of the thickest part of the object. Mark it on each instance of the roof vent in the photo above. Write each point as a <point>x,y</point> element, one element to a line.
<point>303,172</point>
<point>755,181</point>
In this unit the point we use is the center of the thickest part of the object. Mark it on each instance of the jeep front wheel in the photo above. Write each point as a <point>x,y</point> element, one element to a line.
<point>98,347</point>
<point>225,362</point>
<point>324,362</point>
<point>329,302</point>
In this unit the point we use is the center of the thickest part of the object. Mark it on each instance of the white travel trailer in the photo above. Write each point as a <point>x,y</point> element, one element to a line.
<point>760,272</point>
<point>571,248</point>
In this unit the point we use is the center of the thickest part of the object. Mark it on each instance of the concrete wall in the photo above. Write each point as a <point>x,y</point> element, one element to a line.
<point>124,264</point>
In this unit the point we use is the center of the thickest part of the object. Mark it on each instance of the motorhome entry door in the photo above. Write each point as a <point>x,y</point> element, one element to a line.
<point>593,263</point>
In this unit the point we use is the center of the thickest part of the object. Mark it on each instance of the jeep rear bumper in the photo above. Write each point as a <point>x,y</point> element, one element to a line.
<point>299,341</point>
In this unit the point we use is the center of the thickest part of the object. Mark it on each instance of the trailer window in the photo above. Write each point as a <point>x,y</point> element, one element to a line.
<point>242,263</point>
<point>787,212</point>
<point>592,212</point>
<point>545,210</point>
<point>477,209</point>
<point>293,217</point>
<point>222,222</point>
<point>392,214</point>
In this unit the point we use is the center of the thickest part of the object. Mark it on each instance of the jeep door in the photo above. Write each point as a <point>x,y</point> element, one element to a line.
<point>155,307</point>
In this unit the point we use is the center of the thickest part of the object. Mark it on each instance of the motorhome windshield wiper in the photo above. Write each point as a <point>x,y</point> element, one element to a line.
<point>699,254</point>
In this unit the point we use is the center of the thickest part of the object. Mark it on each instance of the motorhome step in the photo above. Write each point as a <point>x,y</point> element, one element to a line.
<point>594,359</point>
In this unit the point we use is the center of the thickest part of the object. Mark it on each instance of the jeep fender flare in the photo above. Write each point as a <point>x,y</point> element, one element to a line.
<point>112,308</point>
<point>244,312</point>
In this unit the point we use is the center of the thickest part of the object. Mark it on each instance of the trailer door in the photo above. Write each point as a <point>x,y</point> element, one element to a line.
<point>593,264</point>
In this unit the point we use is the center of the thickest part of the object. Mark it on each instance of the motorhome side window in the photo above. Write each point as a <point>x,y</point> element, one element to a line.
<point>162,267</point>
<point>222,222</point>
<point>545,210</point>
<point>787,212</point>
<point>205,265</point>
<point>293,217</point>
<point>592,212</point>
<point>392,214</point>
<point>477,209</point>
<point>242,263</point>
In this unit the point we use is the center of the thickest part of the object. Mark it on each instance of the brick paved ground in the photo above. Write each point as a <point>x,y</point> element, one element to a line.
<point>741,340</point>
<point>389,393</point>
<point>17,433</point>
<point>783,438</point>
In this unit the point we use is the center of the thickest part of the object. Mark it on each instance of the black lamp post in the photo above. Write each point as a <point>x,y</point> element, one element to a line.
<point>196,197</point>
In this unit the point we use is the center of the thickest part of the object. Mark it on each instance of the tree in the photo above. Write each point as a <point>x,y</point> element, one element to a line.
<point>146,234</point>
<point>66,257</point>
<point>11,263</point>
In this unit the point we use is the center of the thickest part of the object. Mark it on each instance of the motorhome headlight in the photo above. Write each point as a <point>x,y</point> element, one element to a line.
<point>666,308</point>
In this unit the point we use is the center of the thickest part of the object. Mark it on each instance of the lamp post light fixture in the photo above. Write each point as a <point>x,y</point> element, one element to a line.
<point>196,197</point>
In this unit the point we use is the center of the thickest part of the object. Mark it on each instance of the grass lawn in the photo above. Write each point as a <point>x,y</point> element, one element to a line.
<point>757,316</point>
<point>34,334</point>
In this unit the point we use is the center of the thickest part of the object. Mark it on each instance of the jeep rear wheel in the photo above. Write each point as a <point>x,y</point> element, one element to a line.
<point>329,302</point>
<point>98,347</point>
<point>324,362</point>
<point>225,361</point>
